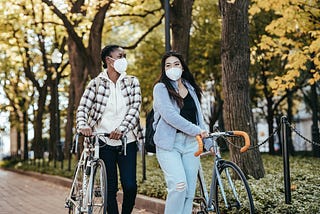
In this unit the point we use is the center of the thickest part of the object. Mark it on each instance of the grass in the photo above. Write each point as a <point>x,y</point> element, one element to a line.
<point>268,192</point>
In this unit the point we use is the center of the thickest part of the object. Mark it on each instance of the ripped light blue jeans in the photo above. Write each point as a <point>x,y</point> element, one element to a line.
<point>180,168</point>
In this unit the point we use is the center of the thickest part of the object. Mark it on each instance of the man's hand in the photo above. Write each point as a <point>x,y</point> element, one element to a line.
<point>87,131</point>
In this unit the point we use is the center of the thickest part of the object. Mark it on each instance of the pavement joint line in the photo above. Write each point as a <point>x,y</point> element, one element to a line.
<point>143,202</point>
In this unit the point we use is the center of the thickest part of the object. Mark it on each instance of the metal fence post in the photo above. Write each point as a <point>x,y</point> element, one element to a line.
<point>285,155</point>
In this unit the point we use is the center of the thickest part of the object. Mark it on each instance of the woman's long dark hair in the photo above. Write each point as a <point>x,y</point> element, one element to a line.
<point>186,75</point>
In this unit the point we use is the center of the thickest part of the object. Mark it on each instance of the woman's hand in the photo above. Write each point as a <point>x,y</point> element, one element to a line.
<point>87,131</point>
<point>212,151</point>
<point>116,135</point>
<point>204,134</point>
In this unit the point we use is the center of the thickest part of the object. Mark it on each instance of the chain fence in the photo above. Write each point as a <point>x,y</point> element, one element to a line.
<point>300,135</point>
<point>294,129</point>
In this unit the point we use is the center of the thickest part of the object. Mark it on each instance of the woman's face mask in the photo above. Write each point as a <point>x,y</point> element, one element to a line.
<point>120,65</point>
<point>174,73</point>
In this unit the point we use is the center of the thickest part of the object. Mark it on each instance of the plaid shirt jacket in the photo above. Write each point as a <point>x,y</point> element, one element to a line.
<point>95,98</point>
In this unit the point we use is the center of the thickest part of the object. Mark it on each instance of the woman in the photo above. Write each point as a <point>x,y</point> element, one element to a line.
<point>178,119</point>
<point>111,104</point>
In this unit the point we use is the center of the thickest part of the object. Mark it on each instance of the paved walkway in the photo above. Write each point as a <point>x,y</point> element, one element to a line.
<point>27,194</point>
<point>24,194</point>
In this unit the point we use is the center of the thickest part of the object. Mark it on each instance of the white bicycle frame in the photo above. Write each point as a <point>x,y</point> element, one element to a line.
<point>86,186</point>
<point>88,182</point>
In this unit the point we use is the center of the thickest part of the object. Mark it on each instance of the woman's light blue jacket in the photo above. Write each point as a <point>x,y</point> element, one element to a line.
<point>167,118</point>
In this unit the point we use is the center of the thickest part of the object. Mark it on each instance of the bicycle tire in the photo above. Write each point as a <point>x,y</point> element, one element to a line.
<point>98,190</point>
<point>244,203</point>
<point>76,192</point>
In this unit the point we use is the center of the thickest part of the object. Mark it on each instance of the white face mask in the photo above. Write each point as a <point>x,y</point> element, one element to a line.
<point>174,73</point>
<point>120,65</point>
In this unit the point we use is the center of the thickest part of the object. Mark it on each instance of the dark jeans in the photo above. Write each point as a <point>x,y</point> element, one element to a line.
<point>127,168</point>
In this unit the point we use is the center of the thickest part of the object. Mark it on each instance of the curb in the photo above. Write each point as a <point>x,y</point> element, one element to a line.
<point>143,202</point>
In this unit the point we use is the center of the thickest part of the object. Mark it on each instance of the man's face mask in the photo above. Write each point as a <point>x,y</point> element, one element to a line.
<point>120,65</point>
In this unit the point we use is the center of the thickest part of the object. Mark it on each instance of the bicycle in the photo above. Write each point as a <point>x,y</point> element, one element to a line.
<point>229,189</point>
<point>88,193</point>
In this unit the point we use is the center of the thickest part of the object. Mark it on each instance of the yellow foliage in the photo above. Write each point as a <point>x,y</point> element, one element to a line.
<point>297,60</point>
<point>316,78</point>
<point>315,45</point>
<point>254,9</point>
<point>294,35</point>
<point>316,61</point>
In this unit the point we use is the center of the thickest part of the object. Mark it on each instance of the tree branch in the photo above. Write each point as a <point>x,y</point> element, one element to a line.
<point>68,25</point>
<point>145,34</point>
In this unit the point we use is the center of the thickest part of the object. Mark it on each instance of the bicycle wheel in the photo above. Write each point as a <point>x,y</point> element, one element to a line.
<point>98,191</point>
<point>76,201</point>
<point>234,186</point>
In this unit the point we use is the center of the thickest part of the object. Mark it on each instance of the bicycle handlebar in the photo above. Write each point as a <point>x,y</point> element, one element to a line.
<point>200,146</point>
<point>228,133</point>
<point>95,134</point>
<point>246,140</point>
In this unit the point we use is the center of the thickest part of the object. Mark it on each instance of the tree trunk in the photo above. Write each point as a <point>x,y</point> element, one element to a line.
<point>78,79</point>
<point>25,132</point>
<point>53,122</point>
<point>235,60</point>
<point>315,118</point>
<point>290,119</point>
<point>180,19</point>
<point>70,122</point>
<point>270,112</point>
<point>270,118</point>
<point>38,127</point>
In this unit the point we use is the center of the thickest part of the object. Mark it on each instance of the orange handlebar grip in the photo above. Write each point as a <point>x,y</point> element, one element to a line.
<point>246,140</point>
<point>200,146</point>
